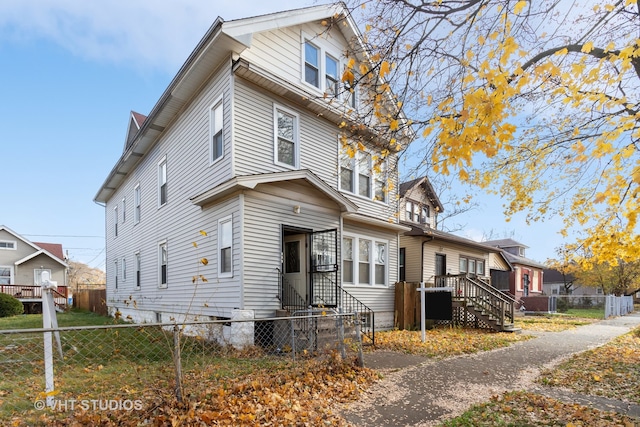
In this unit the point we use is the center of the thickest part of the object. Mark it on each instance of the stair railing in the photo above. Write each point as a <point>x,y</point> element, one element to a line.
<point>289,298</point>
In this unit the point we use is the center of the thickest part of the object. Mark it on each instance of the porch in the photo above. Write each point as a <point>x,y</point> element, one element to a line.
<point>31,296</point>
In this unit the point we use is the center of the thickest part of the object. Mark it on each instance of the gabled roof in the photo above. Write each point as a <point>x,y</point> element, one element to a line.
<point>252,181</point>
<point>222,41</point>
<point>426,186</point>
<point>515,259</point>
<point>505,243</point>
<point>135,123</point>
<point>39,248</point>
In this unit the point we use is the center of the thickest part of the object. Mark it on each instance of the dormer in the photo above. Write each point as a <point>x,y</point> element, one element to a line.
<point>510,246</point>
<point>135,123</point>
<point>419,203</point>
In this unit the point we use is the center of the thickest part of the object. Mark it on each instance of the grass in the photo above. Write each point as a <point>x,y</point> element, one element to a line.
<point>554,322</point>
<point>70,318</point>
<point>445,341</point>
<point>589,313</point>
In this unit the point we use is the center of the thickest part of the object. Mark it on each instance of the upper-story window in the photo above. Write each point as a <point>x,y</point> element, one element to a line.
<point>321,67</point>
<point>124,209</point>
<point>216,121</point>
<point>162,182</point>
<point>136,202</point>
<point>286,149</point>
<point>424,218</point>
<point>471,266</point>
<point>115,269</point>
<point>8,244</point>
<point>408,207</point>
<point>124,270</point>
<point>357,176</point>
<point>311,64</point>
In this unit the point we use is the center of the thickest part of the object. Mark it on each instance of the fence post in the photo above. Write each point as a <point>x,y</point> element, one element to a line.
<point>359,340</point>
<point>177,361</point>
<point>293,340</point>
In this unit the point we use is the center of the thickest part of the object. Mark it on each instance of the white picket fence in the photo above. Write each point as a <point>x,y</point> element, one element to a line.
<point>617,306</point>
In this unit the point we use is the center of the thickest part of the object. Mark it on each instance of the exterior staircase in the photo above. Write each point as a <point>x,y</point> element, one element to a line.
<point>476,303</point>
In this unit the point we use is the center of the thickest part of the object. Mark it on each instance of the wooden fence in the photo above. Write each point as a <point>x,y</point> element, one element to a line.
<point>94,300</point>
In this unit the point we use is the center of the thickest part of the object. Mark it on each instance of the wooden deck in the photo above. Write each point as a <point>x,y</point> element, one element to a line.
<point>31,295</point>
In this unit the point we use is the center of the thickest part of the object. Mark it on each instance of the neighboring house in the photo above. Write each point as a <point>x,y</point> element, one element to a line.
<point>527,277</point>
<point>555,283</point>
<point>22,263</point>
<point>426,252</point>
<point>443,260</point>
<point>245,146</point>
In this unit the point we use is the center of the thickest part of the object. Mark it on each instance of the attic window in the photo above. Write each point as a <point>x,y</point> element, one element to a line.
<point>8,244</point>
<point>321,67</point>
<point>311,64</point>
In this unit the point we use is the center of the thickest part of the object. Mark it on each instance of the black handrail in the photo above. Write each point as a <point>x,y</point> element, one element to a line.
<point>351,304</point>
<point>289,298</point>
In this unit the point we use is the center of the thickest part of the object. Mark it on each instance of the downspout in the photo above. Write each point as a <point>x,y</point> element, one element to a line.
<point>422,258</point>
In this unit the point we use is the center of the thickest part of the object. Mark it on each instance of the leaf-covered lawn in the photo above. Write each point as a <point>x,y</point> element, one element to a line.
<point>551,322</point>
<point>529,409</point>
<point>612,370</point>
<point>278,395</point>
<point>445,342</point>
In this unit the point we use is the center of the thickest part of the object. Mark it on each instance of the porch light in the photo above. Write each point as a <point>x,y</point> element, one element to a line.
<point>296,209</point>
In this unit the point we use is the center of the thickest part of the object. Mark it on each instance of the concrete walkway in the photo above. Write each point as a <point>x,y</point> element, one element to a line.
<point>417,391</point>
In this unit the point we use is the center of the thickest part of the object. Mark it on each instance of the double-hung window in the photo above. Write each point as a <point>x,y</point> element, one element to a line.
<point>331,76</point>
<point>216,121</point>
<point>225,247</point>
<point>408,208</point>
<point>358,176</point>
<point>364,261</point>
<point>162,182</point>
<point>380,183</point>
<point>364,174</point>
<point>116,272</point>
<point>137,266</point>
<point>472,266</point>
<point>124,270</point>
<point>136,202</point>
<point>425,215</point>
<point>124,209</point>
<point>286,150</point>
<point>347,182</point>
<point>321,68</point>
<point>311,64</point>
<point>115,221</point>
<point>163,257</point>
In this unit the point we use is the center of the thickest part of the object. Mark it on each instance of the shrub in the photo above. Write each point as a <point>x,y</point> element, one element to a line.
<point>9,306</point>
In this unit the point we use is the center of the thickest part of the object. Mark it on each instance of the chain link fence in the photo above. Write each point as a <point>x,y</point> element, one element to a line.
<point>138,366</point>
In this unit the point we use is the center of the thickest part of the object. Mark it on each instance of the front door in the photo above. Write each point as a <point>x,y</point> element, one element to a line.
<point>295,263</point>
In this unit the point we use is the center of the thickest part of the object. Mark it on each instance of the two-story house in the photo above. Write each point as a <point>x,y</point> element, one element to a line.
<point>22,263</point>
<point>526,279</point>
<point>244,144</point>
<point>426,253</point>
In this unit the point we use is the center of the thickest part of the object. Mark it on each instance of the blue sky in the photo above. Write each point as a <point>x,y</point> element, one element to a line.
<point>71,73</point>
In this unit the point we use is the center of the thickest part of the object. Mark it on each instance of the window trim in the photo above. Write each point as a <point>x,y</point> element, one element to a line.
<point>124,269</point>
<point>137,202</point>
<point>221,223</point>
<point>475,261</point>
<point>355,259</point>
<point>355,163</point>
<point>116,269</point>
<point>163,245</point>
<point>124,210</point>
<point>296,136</point>
<point>14,245</point>
<point>218,103</point>
<point>162,175</point>
<point>324,50</point>
<point>11,274</point>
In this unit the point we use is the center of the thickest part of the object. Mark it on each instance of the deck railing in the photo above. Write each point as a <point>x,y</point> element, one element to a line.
<point>481,295</point>
<point>32,293</point>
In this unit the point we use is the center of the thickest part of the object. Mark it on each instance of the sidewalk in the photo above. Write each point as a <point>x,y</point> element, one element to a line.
<point>417,391</point>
